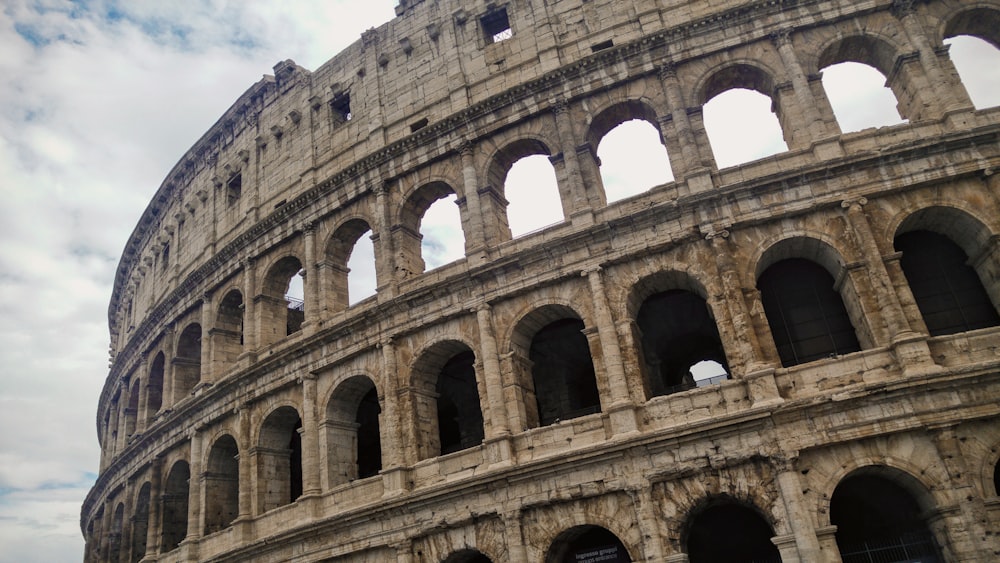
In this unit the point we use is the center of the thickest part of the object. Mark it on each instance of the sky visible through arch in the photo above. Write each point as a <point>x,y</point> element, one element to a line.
<point>100,100</point>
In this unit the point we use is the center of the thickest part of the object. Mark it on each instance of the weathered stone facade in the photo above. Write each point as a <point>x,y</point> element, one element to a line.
<point>518,404</point>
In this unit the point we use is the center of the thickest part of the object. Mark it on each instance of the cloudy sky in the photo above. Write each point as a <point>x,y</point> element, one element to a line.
<point>99,100</point>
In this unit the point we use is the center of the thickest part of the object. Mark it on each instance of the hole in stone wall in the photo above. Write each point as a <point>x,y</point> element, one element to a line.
<point>741,127</point>
<point>977,62</point>
<point>859,97</point>
<point>633,160</point>
<point>532,194</point>
<point>441,227</point>
<point>496,26</point>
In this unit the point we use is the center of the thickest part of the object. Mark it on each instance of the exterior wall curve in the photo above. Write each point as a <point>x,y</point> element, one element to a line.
<point>428,104</point>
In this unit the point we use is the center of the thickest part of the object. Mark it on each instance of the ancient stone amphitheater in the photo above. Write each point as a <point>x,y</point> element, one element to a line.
<point>533,401</point>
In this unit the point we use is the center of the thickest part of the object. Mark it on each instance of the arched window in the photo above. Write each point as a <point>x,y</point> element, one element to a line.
<point>467,556</point>
<point>227,335</point>
<point>996,479</point>
<point>354,447</point>
<point>587,543</point>
<point>563,372</point>
<point>282,301</point>
<point>115,535</point>
<point>175,506</point>
<point>739,116</point>
<point>429,233</point>
<point>350,260</point>
<point>441,228</point>
<point>187,362</point>
<point>279,459</point>
<point>532,195</point>
<point>878,519</point>
<point>140,524</point>
<point>633,159</point>
<point>727,531</point>
<point>222,485</point>
<point>680,343</point>
<point>154,388</point>
<point>948,291</point>
<point>859,96</point>
<point>807,316</point>
<point>132,408</point>
<point>446,394</point>
<point>973,37</point>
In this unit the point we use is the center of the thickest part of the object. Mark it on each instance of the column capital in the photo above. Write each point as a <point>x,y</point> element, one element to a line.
<point>667,70</point>
<point>720,234</point>
<point>854,204</point>
<point>560,105</point>
<point>309,227</point>
<point>901,8</point>
<point>781,37</point>
<point>586,272</point>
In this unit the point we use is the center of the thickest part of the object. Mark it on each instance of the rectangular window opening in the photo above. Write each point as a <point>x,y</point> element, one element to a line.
<point>418,125</point>
<point>602,46</point>
<point>341,106</point>
<point>496,26</point>
<point>234,188</point>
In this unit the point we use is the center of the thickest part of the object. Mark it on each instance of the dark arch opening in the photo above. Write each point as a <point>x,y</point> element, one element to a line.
<point>369,438</point>
<point>879,520</point>
<point>587,544</point>
<point>279,459</point>
<point>467,556</point>
<point>227,335</point>
<point>344,288</point>
<point>175,506</point>
<point>282,301</point>
<point>563,372</point>
<point>187,362</point>
<point>949,293</point>
<point>140,523</point>
<point>677,334</point>
<point>996,479</point>
<point>115,535</point>
<point>729,532</point>
<point>154,388</point>
<point>806,314</point>
<point>222,485</point>
<point>460,418</point>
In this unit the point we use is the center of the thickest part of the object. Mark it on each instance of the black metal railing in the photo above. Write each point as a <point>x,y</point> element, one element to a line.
<point>909,548</point>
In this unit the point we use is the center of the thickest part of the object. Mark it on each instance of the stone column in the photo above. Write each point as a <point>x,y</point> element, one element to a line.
<point>207,324</point>
<point>799,520</point>
<point>514,537</point>
<point>383,243</point>
<point>155,502</point>
<point>140,422</point>
<point>310,437</point>
<point>804,96</point>
<point>310,279</point>
<point>194,524</point>
<point>250,327</point>
<point>696,151</point>
<point>394,456</point>
<point>575,196</point>
<point>621,408</point>
<point>474,220</point>
<point>971,509</point>
<point>646,514</point>
<point>245,498</point>
<point>491,372</point>
<point>910,347</point>
<point>947,97</point>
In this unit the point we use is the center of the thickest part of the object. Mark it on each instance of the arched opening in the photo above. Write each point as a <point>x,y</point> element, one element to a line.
<point>633,159</point>
<point>878,519</point>
<point>350,261</point>
<point>460,418</point>
<point>467,556</point>
<point>140,524</point>
<point>739,116</point>
<point>154,388</point>
<point>187,362</point>
<point>222,485</point>
<point>175,506</point>
<point>976,61</point>
<point>996,479</point>
<point>727,531</point>
<point>587,544</point>
<point>860,97</point>
<point>227,335</point>
<point>948,291</point>
<point>279,459</point>
<point>446,398</point>
<point>282,301</point>
<point>115,534</point>
<point>680,342</point>
<point>562,372</point>
<point>442,240</point>
<point>532,194</point>
<point>806,314</point>
<point>354,448</point>
<point>132,409</point>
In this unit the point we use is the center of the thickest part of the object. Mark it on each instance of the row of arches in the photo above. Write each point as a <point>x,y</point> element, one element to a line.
<point>529,177</point>
<point>813,311</point>
<point>880,513</point>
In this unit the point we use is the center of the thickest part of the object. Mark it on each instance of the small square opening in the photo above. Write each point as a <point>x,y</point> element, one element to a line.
<point>234,188</point>
<point>496,26</point>
<point>341,106</point>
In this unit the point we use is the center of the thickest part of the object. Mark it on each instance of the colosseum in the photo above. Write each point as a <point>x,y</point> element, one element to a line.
<point>793,359</point>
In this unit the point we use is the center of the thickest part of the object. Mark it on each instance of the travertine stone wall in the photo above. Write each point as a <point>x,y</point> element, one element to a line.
<point>214,375</point>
